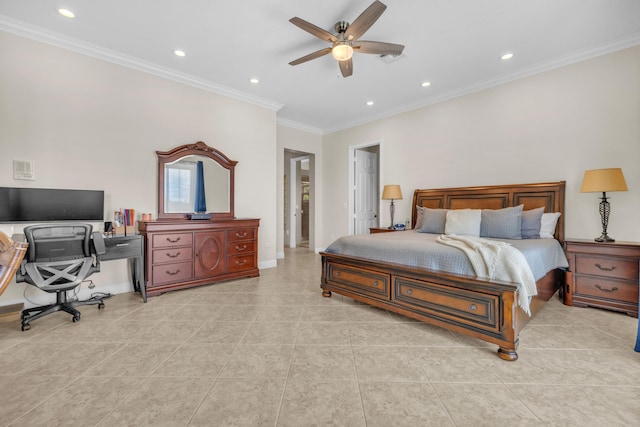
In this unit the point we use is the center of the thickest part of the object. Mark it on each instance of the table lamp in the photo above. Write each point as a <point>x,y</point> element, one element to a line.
<point>392,192</point>
<point>603,180</point>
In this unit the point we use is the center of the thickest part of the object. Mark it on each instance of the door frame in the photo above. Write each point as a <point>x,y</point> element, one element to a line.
<point>293,198</point>
<point>352,183</point>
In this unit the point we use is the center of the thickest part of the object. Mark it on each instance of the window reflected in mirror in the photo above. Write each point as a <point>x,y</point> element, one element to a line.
<point>196,184</point>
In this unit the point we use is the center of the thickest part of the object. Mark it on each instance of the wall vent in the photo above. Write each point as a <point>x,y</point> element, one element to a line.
<point>23,169</point>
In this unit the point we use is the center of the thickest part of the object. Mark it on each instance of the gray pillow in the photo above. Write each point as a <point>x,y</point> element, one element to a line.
<point>531,221</point>
<point>502,223</point>
<point>419,217</point>
<point>433,220</point>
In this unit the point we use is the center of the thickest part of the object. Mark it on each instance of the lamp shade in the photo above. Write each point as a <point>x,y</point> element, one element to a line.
<point>603,180</point>
<point>391,192</point>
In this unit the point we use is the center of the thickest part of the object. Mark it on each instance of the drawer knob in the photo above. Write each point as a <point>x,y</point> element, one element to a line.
<point>173,241</point>
<point>177,254</point>
<point>241,248</point>
<point>243,234</point>
<point>605,268</point>
<point>607,290</point>
<point>173,273</point>
<point>122,244</point>
<point>472,307</point>
<point>375,283</point>
<point>244,261</point>
<point>409,291</point>
<point>337,274</point>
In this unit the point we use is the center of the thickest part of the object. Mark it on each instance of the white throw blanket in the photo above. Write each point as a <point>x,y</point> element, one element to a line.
<point>497,260</point>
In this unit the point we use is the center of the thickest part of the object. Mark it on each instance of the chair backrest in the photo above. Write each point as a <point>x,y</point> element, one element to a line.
<point>56,242</point>
<point>11,254</point>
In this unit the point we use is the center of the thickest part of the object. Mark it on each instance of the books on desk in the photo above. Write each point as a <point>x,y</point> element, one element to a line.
<point>125,221</point>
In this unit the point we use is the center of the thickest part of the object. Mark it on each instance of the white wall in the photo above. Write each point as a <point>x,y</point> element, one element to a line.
<point>91,124</point>
<point>549,127</point>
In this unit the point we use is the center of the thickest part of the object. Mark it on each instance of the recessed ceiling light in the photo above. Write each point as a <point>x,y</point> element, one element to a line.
<point>66,13</point>
<point>506,56</point>
<point>425,84</point>
<point>254,80</point>
<point>179,53</point>
<point>369,103</point>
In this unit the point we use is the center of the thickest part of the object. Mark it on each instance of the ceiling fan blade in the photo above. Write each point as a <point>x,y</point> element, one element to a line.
<point>378,48</point>
<point>346,67</point>
<point>314,55</point>
<point>365,20</point>
<point>314,30</point>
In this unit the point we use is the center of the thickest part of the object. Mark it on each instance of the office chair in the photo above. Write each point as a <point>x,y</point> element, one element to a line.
<point>59,258</point>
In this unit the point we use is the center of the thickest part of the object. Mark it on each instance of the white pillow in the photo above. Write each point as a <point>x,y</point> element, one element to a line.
<point>548,225</point>
<point>463,222</point>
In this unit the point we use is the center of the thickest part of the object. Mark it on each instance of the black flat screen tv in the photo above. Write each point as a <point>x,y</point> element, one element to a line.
<point>46,204</point>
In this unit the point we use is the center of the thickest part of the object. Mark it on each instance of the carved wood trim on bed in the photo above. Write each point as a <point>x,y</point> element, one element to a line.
<point>479,308</point>
<point>549,195</point>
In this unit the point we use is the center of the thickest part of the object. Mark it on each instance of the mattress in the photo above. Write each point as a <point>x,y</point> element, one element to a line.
<point>415,249</point>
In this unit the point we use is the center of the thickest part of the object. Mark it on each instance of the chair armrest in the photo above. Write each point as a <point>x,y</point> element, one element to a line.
<point>98,243</point>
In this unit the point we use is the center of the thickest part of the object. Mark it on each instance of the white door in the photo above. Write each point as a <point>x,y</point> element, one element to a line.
<point>366,191</point>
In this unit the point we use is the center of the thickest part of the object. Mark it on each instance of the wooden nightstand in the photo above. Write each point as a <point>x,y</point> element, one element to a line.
<point>373,230</point>
<point>603,275</point>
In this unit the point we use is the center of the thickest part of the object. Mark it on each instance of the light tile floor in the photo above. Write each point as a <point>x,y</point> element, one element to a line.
<point>272,351</point>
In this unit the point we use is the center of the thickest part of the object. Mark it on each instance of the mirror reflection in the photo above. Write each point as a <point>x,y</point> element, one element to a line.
<point>196,184</point>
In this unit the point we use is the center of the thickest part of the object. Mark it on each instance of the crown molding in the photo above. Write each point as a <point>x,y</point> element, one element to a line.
<point>32,32</point>
<point>299,126</point>
<point>579,56</point>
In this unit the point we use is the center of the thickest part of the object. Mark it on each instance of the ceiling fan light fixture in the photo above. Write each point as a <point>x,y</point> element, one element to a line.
<point>342,52</point>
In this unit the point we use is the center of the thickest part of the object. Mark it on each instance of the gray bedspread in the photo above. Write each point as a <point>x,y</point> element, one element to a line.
<point>421,250</point>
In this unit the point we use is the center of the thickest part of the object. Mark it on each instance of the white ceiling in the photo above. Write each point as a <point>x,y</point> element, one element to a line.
<point>454,44</point>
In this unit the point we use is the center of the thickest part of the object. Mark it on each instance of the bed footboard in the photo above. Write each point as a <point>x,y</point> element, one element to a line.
<point>475,307</point>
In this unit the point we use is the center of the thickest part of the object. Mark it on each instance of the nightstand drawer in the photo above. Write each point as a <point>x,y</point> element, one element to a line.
<point>617,268</point>
<point>609,289</point>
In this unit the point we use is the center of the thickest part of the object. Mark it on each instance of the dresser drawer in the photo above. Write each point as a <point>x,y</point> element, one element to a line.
<point>608,289</point>
<point>617,268</point>
<point>472,308</point>
<point>241,234</point>
<point>172,255</point>
<point>240,247</point>
<point>360,281</point>
<point>172,240</point>
<point>176,272</point>
<point>240,262</point>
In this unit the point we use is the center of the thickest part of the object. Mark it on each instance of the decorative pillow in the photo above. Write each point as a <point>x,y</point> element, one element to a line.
<point>419,217</point>
<point>433,220</point>
<point>548,225</point>
<point>531,223</point>
<point>463,222</point>
<point>502,223</point>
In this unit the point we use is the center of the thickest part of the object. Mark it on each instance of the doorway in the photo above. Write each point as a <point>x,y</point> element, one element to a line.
<point>364,176</point>
<point>299,199</point>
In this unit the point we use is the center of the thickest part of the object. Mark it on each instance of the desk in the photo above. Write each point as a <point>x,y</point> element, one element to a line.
<point>129,247</point>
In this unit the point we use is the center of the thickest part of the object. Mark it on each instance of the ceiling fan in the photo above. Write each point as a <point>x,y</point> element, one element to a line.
<point>346,41</point>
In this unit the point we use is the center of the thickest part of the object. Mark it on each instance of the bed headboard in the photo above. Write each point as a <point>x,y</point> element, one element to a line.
<point>547,194</point>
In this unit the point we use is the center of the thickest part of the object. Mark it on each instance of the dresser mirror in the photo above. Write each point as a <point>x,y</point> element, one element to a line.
<point>195,178</point>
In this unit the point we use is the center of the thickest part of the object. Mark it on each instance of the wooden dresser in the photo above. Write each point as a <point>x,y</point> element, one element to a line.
<point>182,253</point>
<point>603,275</point>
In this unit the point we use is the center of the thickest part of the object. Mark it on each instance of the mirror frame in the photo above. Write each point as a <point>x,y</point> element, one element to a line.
<point>200,149</point>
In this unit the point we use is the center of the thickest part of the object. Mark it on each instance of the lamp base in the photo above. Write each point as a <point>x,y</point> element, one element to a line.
<point>604,238</point>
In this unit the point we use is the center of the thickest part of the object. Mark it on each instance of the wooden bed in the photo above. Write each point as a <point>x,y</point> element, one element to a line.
<point>476,307</point>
